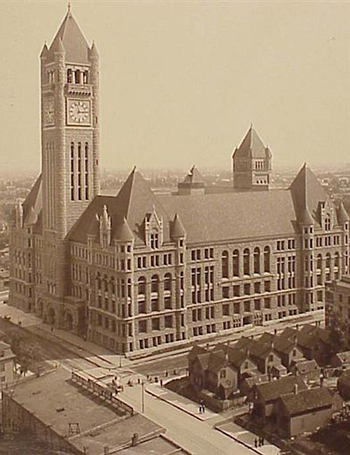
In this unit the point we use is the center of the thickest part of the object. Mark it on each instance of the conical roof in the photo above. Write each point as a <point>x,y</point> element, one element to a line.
<point>307,193</point>
<point>177,228</point>
<point>73,41</point>
<point>306,217</point>
<point>252,147</point>
<point>194,177</point>
<point>343,215</point>
<point>123,232</point>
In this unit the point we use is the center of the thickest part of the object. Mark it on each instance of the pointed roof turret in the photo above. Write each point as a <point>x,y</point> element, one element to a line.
<point>123,232</point>
<point>343,215</point>
<point>306,217</point>
<point>252,146</point>
<point>93,51</point>
<point>44,51</point>
<point>60,48</point>
<point>73,41</point>
<point>177,228</point>
<point>307,192</point>
<point>194,177</point>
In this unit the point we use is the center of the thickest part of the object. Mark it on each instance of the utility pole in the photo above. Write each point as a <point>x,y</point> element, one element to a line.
<point>142,397</point>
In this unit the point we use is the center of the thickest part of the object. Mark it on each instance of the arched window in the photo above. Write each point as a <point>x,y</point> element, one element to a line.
<point>246,261</point>
<point>167,282</point>
<point>141,284</point>
<point>267,259</point>
<point>328,260</point>
<point>77,76</point>
<point>235,263</point>
<point>224,264</point>
<point>319,262</point>
<point>155,283</point>
<point>256,260</point>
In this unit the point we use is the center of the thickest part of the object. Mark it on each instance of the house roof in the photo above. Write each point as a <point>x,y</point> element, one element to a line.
<point>252,147</point>
<point>306,366</point>
<point>272,390</point>
<point>344,357</point>
<point>195,351</point>
<point>70,39</point>
<point>308,400</point>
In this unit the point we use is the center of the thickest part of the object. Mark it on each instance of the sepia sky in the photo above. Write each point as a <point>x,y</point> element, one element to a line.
<point>181,81</point>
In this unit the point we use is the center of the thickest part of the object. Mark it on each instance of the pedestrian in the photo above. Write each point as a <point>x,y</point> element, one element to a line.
<point>262,440</point>
<point>161,382</point>
<point>52,328</point>
<point>256,442</point>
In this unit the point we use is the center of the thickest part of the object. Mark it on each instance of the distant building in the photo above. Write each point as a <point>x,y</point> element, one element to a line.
<point>308,370</point>
<point>139,271</point>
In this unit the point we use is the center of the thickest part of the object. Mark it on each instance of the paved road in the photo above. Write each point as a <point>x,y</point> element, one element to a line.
<point>194,435</point>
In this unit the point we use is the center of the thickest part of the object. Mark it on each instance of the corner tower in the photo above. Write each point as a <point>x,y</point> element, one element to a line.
<point>251,163</point>
<point>70,127</point>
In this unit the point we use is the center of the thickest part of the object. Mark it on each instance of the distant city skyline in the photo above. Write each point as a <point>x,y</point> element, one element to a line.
<point>182,82</point>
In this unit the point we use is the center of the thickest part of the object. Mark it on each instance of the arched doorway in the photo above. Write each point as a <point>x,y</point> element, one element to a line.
<point>68,321</point>
<point>51,316</point>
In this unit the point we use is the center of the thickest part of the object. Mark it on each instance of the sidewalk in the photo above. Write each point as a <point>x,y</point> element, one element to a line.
<point>180,402</point>
<point>76,344</point>
<point>247,438</point>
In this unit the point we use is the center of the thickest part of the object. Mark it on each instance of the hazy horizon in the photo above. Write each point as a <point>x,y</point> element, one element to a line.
<point>182,82</point>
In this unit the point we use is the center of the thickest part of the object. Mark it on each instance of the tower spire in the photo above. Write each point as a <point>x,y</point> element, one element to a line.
<point>69,8</point>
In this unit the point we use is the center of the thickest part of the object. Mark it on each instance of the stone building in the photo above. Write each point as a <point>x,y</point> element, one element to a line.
<point>138,271</point>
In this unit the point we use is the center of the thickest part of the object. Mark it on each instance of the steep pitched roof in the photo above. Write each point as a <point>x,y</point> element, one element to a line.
<point>272,390</point>
<point>233,215</point>
<point>343,215</point>
<point>194,177</point>
<point>133,202</point>
<point>177,228</point>
<point>307,193</point>
<point>73,41</point>
<point>252,147</point>
<point>307,400</point>
<point>32,205</point>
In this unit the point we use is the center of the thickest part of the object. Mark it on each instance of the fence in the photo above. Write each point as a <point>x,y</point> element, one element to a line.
<point>102,391</point>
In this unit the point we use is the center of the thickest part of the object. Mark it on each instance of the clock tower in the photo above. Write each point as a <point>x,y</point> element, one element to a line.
<point>70,127</point>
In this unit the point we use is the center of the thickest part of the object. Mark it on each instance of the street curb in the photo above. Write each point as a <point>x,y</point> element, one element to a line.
<point>226,433</point>
<point>150,392</point>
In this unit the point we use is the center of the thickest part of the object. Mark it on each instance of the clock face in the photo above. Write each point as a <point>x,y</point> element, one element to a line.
<point>78,112</point>
<point>49,112</point>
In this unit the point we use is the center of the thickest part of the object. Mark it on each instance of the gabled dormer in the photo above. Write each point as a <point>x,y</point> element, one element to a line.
<point>153,230</point>
<point>327,215</point>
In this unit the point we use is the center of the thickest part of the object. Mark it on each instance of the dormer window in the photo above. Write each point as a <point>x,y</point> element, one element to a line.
<point>153,231</point>
<point>327,223</point>
<point>154,240</point>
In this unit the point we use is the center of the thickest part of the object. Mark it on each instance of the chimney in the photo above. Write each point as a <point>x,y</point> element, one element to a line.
<point>295,389</point>
<point>295,339</point>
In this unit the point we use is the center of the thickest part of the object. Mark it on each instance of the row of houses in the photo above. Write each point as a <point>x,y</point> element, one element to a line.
<point>229,369</point>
